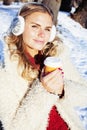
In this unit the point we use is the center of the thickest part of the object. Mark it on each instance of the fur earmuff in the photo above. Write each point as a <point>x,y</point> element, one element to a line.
<point>53,33</point>
<point>18,25</point>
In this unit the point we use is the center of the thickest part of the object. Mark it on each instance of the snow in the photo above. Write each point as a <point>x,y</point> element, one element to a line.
<point>75,37</point>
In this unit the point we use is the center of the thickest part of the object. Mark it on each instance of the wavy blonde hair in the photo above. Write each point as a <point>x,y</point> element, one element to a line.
<point>16,46</point>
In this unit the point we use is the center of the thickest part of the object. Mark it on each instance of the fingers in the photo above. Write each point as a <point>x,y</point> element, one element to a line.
<point>55,74</point>
<point>53,81</point>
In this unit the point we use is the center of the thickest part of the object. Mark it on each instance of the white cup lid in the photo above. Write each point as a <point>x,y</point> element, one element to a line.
<point>53,62</point>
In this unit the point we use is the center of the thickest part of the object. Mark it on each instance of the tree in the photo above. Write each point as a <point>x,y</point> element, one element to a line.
<point>7,2</point>
<point>80,15</point>
<point>55,6</point>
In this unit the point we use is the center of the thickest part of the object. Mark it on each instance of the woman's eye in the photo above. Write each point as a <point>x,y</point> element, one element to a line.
<point>48,29</point>
<point>34,26</point>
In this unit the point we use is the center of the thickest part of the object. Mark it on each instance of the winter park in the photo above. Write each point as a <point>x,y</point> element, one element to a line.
<point>72,33</point>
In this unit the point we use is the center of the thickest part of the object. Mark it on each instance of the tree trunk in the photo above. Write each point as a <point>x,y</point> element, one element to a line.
<point>7,2</point>
<point>55,6</point>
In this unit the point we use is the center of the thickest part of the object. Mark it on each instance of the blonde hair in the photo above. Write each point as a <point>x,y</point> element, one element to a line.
<point>16,46</point>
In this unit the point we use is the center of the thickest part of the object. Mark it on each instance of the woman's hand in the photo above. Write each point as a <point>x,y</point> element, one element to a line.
<point>53,82</point>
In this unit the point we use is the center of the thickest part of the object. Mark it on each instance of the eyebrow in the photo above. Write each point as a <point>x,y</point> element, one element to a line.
<point>40,25</point>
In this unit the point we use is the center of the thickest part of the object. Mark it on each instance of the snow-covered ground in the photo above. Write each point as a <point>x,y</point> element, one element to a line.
<point>74,35</point>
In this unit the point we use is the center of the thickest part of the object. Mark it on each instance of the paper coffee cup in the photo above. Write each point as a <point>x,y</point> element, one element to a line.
<point>52,63</point>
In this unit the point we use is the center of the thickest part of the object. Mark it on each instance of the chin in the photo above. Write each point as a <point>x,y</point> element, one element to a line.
<point>40,48</point>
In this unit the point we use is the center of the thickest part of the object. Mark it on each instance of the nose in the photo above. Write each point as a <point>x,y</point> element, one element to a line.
<point>41,33</point>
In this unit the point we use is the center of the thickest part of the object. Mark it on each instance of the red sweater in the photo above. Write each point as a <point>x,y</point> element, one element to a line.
<point>55,121</point>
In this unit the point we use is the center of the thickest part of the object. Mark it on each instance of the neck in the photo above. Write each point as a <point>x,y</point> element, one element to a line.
<point>31,51</point>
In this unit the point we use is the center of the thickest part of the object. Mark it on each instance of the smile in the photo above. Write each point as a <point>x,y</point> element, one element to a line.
<point>39,41</point>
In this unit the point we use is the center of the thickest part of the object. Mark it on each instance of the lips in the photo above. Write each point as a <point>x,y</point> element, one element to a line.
<point>39,41</point>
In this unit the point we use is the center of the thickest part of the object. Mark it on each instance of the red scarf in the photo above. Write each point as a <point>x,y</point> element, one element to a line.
<point>31,60</point>
<point>55,121</point>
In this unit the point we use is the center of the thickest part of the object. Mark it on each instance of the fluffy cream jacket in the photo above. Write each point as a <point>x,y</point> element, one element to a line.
<point>22,108</point>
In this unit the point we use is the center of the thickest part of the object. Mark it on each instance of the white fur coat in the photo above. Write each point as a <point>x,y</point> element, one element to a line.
<point>22,108</point>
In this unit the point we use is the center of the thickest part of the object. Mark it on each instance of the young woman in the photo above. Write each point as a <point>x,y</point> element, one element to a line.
<point>29,99</point>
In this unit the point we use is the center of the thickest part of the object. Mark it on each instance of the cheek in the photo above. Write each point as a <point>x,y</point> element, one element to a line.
<point>47,37</point>
<point>28,35</point>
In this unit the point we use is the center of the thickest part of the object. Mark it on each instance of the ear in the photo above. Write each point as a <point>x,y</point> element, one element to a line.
<point>18,25</point>
<point>53,33</point>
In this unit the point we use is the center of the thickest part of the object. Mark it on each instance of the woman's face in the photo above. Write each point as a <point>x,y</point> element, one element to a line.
<point>37,30</point>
